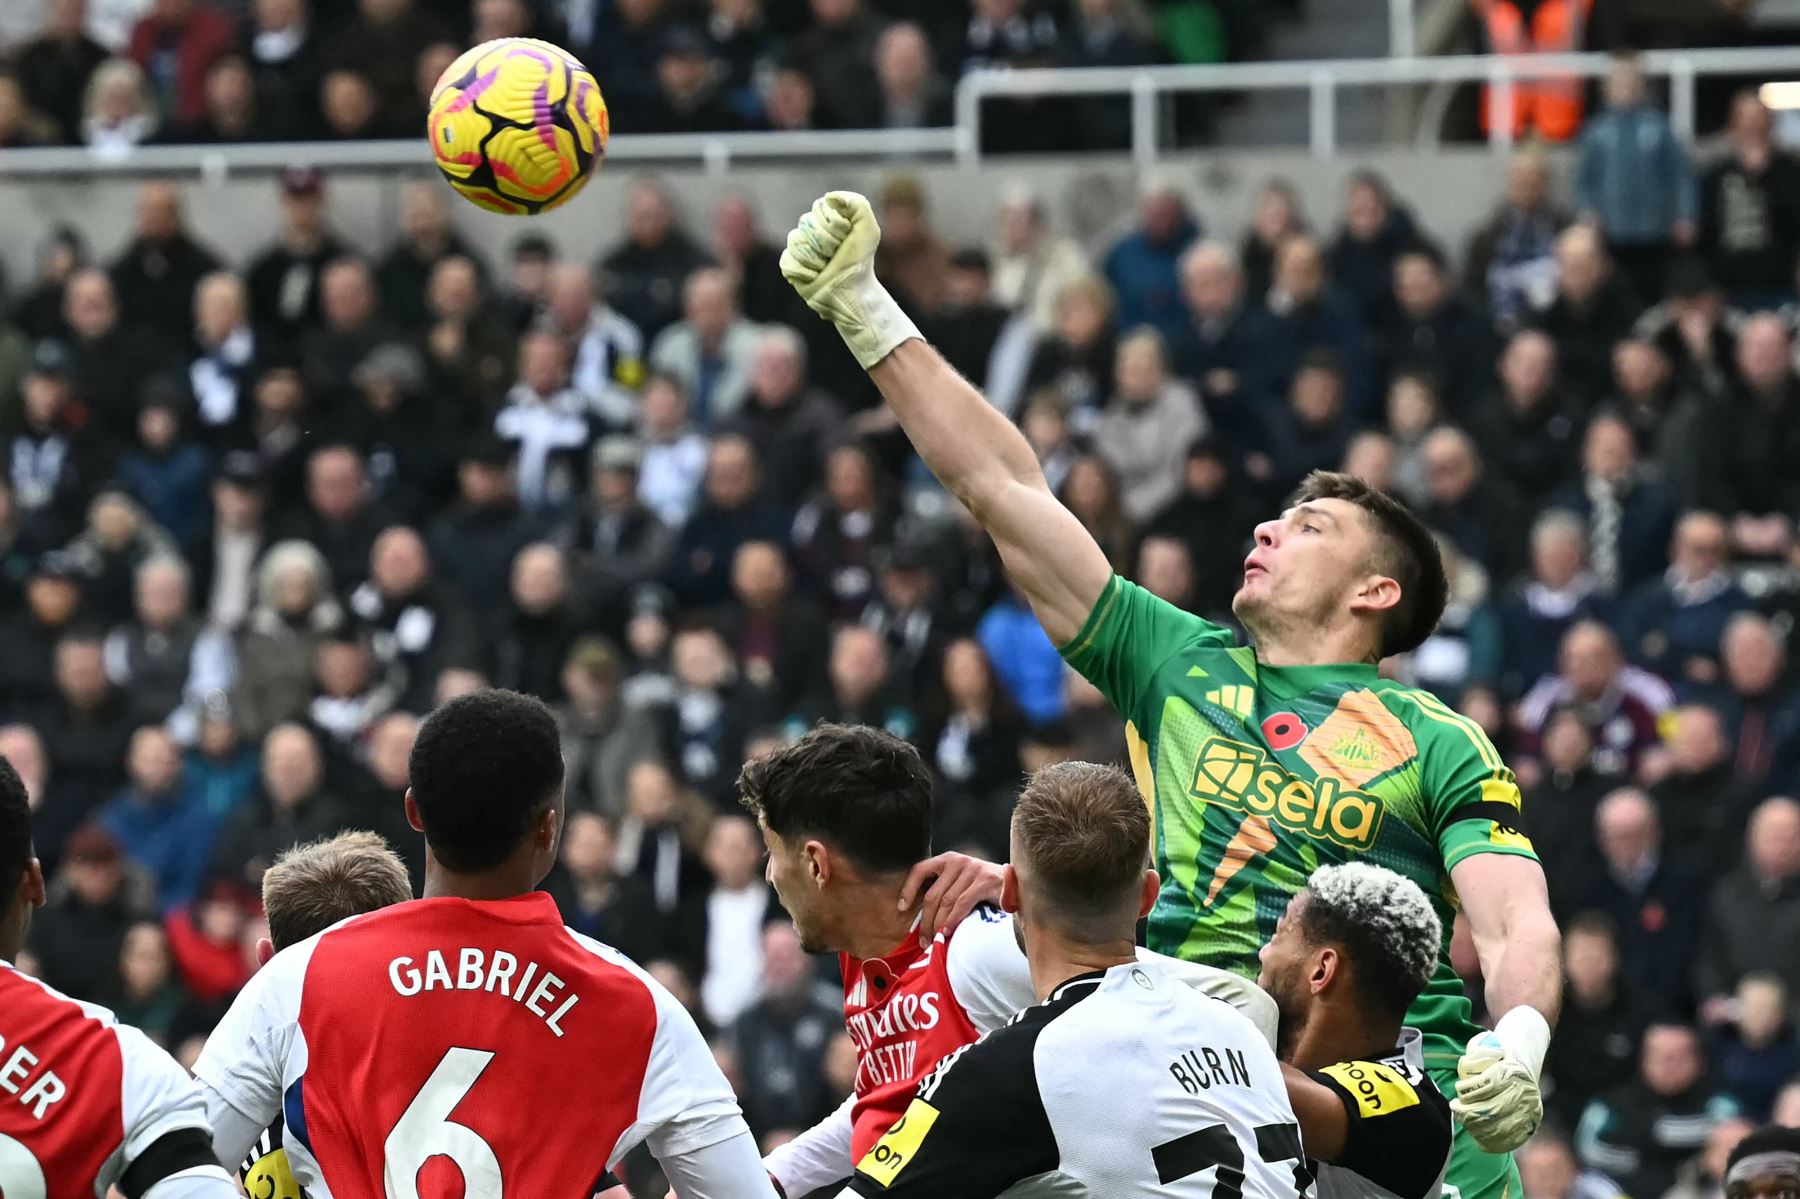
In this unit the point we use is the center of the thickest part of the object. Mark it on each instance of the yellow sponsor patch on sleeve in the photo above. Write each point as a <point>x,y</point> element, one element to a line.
<point>270,1178</point>
<point>1377,1088</point>
<point>892,1152</point>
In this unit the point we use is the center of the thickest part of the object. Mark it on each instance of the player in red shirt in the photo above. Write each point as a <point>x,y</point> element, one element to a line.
<point>846,812</point>
<point>86,1103</point>
<point>468,1041</point>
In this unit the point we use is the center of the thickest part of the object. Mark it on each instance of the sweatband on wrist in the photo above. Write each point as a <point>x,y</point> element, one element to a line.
<point>1526,1035</point>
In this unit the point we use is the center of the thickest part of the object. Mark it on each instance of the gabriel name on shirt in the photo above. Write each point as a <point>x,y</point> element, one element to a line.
<point>536,988</point>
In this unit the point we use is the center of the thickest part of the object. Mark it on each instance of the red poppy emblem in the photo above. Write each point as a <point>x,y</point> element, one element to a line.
<point>1284,730</point>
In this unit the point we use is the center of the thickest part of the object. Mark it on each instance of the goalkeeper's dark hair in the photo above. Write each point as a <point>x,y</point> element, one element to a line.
<point>15,831</point>
<point>484,768</point>
<point>862,791</point>
<point>1404,551</point>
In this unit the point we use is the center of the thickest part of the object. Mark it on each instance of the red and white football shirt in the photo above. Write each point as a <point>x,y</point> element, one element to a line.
<point>81,1095</point>
<point>447,1036</point>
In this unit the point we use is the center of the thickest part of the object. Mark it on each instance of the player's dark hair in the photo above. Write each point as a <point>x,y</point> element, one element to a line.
<point>15,830</point>
<point>1770,1138</point>
<point>861,790</point>
<point>1405,550</point>
<point>1082,837</point>
<point>483,769</point>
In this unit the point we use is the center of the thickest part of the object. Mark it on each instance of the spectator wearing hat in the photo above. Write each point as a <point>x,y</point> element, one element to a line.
<point>167,473</point>
<point>1214,518</point>
<point>93,899</point>
<point>156,274</point>
<point>224,561</point>
<point>710,349</point>
<point>394,426</point>
<point>734,508</point>
<point>53,595</point>
<point>175,43</point>
<point>294,612</point>
<point>614,542</point>
<point>791,422</point>
<point>645,271</point>
<point>284,280</point>
<point>603,737</point>
<point>164,827</point>
<point>44,456</point>
<point>475,540</point>
<point>691,88</point>
<point>426,238</point>
<point>54,68</point>
<point>417,627</point>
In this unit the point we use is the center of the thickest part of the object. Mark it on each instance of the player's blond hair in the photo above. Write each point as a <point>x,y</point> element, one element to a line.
<point>313,886</point>
<point>1081,840</point>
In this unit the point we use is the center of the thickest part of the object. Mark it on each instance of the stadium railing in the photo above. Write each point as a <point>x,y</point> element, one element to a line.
<point>1322,80</point>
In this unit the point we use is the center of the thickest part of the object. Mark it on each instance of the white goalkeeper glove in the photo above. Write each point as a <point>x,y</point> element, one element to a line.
<point>1497,1096</point>
<point>830,260</point>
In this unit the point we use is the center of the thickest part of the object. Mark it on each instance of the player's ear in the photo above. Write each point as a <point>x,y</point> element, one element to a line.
<point>1377,593</point>
<point>1325,969</point>
<point>412,813</point>
<point>265,949</point>
<point>818,861</point>
<point>31,886</point>
<point>1147,899</point>
<point>1009,889</point>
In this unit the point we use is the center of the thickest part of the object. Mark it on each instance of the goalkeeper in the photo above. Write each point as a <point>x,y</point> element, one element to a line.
<point>1259,765</point>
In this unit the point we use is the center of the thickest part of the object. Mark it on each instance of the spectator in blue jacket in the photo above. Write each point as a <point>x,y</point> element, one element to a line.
<point>1307,312</point>
<point>1023,657</point>
<point>1143,267</point>
<point>169,474</point>
<point>1674,625</point>
<point>1634,180</point>
<point>159,821</point>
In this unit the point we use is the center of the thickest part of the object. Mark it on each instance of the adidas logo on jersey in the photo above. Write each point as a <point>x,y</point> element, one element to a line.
<point>1242,776</point>
<point>1237,699</point>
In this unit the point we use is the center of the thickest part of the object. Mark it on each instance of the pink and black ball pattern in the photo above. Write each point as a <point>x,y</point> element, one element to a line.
<point>518,125</point>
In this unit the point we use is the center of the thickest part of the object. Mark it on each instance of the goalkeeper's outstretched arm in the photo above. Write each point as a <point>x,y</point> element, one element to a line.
<point>972,448</point>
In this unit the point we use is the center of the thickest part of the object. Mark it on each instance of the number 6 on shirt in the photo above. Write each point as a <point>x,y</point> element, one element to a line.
<point>425,1130</point>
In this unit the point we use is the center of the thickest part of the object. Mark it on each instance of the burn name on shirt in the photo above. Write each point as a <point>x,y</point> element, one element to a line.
<point>497,973</point>
<point>1203,1069</point>
<point>36,1092</point>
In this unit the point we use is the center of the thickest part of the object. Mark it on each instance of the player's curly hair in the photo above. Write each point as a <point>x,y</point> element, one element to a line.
<point>1405,552</point>
<point>1384,922</point>
<point>483,769</point>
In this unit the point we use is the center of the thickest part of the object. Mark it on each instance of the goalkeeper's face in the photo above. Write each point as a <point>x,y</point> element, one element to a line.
<point>1306,567</point>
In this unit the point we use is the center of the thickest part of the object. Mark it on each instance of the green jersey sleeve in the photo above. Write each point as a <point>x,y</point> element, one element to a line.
<point>1129,635</point>
<point>1470,797</point>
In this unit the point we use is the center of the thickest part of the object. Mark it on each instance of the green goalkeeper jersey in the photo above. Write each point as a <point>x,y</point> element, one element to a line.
<point>1256,775</point>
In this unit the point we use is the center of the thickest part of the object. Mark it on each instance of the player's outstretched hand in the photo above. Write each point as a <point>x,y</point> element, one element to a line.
<point>1497,1095</point>
<point>953,883</point>
<point>830,260</point>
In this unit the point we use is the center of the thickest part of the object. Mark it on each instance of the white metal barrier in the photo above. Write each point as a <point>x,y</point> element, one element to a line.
<point>1146,86</point>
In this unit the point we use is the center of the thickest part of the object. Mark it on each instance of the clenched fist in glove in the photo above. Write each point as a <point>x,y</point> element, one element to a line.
<point>830,260</point>
<point>1497,1096</point>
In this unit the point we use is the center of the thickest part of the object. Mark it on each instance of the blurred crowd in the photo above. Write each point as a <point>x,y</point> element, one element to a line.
<point>112,74</point>
<point>257,517</point>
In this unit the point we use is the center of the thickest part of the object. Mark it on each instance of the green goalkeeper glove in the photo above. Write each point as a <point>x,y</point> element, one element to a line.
<point>1497,1095</point>
<point>830,260</point>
